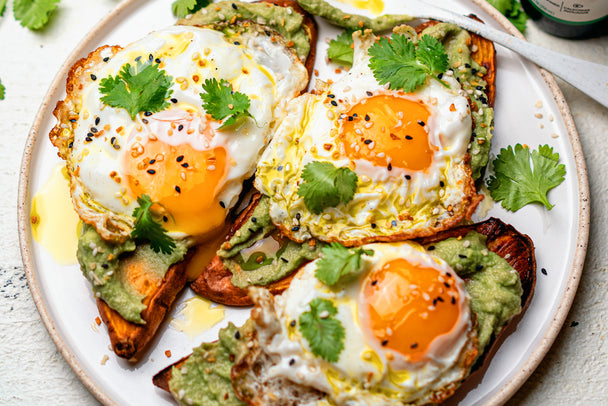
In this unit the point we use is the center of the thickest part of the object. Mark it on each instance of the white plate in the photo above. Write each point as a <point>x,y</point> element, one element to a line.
<point>67,307</point>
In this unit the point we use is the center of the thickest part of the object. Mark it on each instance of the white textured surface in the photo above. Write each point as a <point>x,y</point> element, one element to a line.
<point>34,373</point>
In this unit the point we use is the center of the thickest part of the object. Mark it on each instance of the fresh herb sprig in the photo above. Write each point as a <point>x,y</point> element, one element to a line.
<point>326,186</point>
<point>181,8</point>
<point>405,66</point>
<point>339,263</point>
<point>522,177</point>
<point>33,14</point>
<point>340,49</point>
<point>222,102</point>
<point>324,333</point>
<point>2,89</point>
<point>148,229</point>
<point>140,88</point>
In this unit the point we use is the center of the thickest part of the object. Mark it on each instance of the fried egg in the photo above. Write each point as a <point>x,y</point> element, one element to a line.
<point>409,335</point>
<point>178,156</point>
<point>408,150</point>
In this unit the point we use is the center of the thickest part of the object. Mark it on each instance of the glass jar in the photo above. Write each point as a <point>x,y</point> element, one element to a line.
<point>569,18</point>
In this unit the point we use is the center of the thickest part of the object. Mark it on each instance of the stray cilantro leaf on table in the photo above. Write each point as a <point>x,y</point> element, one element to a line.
<point>405,66</point>
<point>34,14</point>
<point>2,89</point>
<point>340,49</point>
<point>326,186</point>
<point>221,101</point>
<point>324,333</point>
<point>148,229</point>
<point>523,177</point>
<point>181,8</point>
<point>339,262</point>
<point>137,89</point>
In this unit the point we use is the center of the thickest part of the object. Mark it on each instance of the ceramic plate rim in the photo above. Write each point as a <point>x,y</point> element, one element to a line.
<point>500,397</point>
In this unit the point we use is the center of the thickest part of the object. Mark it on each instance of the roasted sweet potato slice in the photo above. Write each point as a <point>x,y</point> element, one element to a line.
<point>129,339</point>
<point>162,378</point>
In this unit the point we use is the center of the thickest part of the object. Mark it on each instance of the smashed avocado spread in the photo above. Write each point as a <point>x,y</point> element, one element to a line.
<point>283,20</point>
<point>337,17</point>
<point>494,286</point>
<point>204,379</point>
<point>469,73</point>
<point>105,264</point>
<point>257,255</point>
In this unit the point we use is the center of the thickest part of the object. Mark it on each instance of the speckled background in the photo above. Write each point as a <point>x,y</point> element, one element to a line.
<point>32,372</point>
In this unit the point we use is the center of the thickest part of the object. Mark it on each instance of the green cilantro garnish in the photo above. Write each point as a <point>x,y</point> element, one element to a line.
<point>341,49</point>
<point>326,186</point>
<point>339,262</point>
<point>2,7</point>
<point>324,333</point>
<point>403,65</point>
<point>221,101</point>
<point>517,182</point>
<point>137,89</point>
<point>146,228</point>
<point>34,14</point>
<point>181,8</point>
<point>513,10</point>
<point>2,89</point>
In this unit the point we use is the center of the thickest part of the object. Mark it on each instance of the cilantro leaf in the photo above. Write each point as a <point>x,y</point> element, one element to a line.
<point>517,182</point>
<point>2,7</point>
<point>326,186</point>
<point>2,89</point>
<point>339,262</point>
<point>137,89</point>
<point>403,66</point>
<point>513,10</point>
<point>146,228</point>
<point>221,101</point>
<point>34,14</point>
<point>324,333</point>
<point>341,49</point>
<point>181,8</point>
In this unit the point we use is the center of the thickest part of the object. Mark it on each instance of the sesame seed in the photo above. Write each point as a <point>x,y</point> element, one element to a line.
<point>93,77</point>
<point>93,130</point>
<point>384,342</point>
<point>237,335</point>
<point>544,271</point>
<point>284,260</point>
<point>367,142</point>
<point>234,6</point>
<point>367,117</point>
<point>157,60</point>
<point>174,100</point>
<point>370,94</point>
<point>150,57</point>
<point>440,299</point>
<point>116,146</point>
<point>179,158</point>
<point>420,122</point>
<point>152,161</point>
<point>430,248</point>
<point>462,256</point>
<point>389,167</point>
<point>331,96</point>
<point>350,118</point>
<point>292,361</point>
<point>374,282</point>
<point>106,59</point>
<point>180,127</point>
<point>453,300</point>
<point>144,121</point>
<point>138,59</point>
<point>178,189</point>
<point>295,228</point>
<point>185,165</point>
<point>414,345</point>
<point>409,137</point>
<point>373,225</point>
<point>479,267</point>
<point>441,183</point>
<point>151,171</point>
<point>97,120</point>
<point>222,204</point>
<point>394,223</point>
<point>408,177</point>
<point>105,266</point>
<point>293,323</point>
<point>334,103</point>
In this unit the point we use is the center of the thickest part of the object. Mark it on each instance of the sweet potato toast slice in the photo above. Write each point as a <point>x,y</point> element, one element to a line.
<point>516,248</point>
<point>129,339</point>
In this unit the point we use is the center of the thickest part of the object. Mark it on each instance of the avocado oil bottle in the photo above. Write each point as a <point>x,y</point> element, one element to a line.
<point>569,18</point>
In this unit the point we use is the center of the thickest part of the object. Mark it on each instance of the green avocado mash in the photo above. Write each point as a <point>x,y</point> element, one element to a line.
<point>257,255</point>
<point>469,73</point>
<point>283,20</point>
<point>337,17</point>
<point>204,379</point>
<point>103,262</point>
<point>494,286</point>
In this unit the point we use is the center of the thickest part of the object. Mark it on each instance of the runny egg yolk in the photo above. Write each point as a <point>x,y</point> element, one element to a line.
<point>183,179</point>
<point>388,130</point>
<point>409,306</point>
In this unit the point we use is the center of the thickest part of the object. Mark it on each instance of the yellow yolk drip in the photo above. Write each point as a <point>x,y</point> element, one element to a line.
<point>409,306</point>
<point>374,6</point>
<point>185,181</point>
<point>198,317</point>
<point>54,221</point>
<point>388,130</point>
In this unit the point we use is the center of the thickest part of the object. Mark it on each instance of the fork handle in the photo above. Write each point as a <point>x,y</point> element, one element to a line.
<point>589,77</point>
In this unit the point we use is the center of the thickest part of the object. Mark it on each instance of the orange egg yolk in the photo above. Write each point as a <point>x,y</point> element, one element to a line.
<point>388,130</point>
<point>409,306</point>
<point>184,180</point>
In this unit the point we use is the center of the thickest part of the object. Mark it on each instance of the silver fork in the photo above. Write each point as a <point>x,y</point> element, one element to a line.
<point>589,77</point>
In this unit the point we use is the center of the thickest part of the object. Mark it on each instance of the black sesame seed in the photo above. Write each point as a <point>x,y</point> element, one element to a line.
<point>367,117</point>
<point>440,299</point>
<point>116,146</point>
<point>434,302</point>
<point>292,361</point>
<point>222,204</point>
<point>440,75</point>
<point>152,161</point>
<point>430,248</point>
<point>479,87</point>
<point>112,140</point>
<point>478,268</point>
<point>467,65</point>
<point>350,118</point>
<point>145,121</point>
<point>105,266</point>
<point>180,127</point>
<point>237,43</point>
<point>394,223</point>
<point>462,256</point>
<point>234,6</point>
<point>106,59</point>
<point>483,100</point>
<point>151,171</point>
<point>453,300</point>
<point>414,345</point>
<point>174,100</point>
<point>254,220</point>
<point>544,271</point>
<point>367,142</point>
<point>165,219</point>
<point>369,93</point>
<point>157,60</point>
<point>88,139</point>
<point>178,189</point>
<point>179,158</point>
<point>447,285</point>
<point>384,342</point>
<point>93,130</point>
<point>251,230</point>
<point>72,120</point>
<point>148,113</point>
<point>185,165</point>
<point>409,137</point>
<point>237,335</point>
<point>574,324</point>
<point>331,96</point>
<point>97,120</point>
<point>374,282</point>
<point>150,57</point>
<point>280,168</point>
<point>71,144</point>
<point>389,167</point>
<point>138,59</point>
<point>355,115</point>
<point>93,77</point>
<point>334,103</point>
<point>408,177</point>
<point>295,228</point>
<point>293,323</point>
<point>373,225</point>
<point>449,275</point>
<point>420,122</point>
<point>298,216</point>
<point>441,184</point>
<point>474,71</point>
<point>284,260</point>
